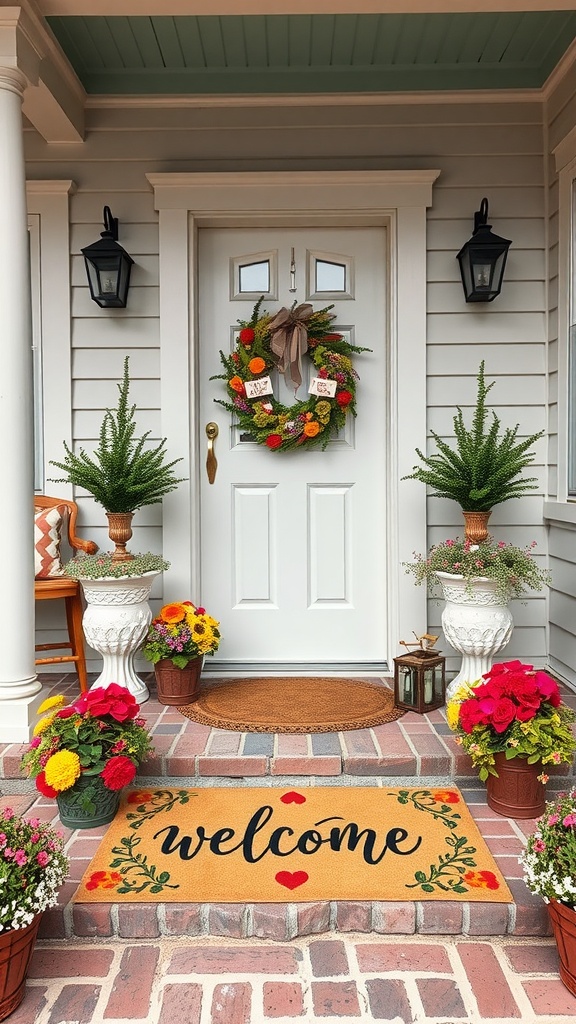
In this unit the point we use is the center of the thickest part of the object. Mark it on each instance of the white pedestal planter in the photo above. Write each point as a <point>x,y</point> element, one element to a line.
<point>476,622</point>
<point>115,624</point>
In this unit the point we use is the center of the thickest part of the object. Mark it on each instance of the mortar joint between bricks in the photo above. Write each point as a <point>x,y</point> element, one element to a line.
<point>419,916</point>
<point>333,916</point>
<point>248,923</point>
<point>291,921</point>
<point>511,918</point>
<point>67,916</point>
<point>465,918</point>
<point>161,918</point>
<point>114,920</point>
<point>205,918</point>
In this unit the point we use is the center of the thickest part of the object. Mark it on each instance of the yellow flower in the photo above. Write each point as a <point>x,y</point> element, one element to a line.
<point>43,724</point>
<point>52,702</point>
<point>62,769</point>
<point>452,714</point>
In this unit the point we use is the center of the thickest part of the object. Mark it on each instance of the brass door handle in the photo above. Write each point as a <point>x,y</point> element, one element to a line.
<point>211,461</point>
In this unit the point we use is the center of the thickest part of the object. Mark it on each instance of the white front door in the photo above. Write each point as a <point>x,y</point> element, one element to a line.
<point>293,543</point>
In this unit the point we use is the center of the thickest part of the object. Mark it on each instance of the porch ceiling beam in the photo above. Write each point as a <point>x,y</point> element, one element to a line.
<point>105,8</point>
<point>54,98</point>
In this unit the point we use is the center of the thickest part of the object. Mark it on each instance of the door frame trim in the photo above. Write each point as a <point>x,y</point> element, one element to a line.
<point>396,200</point>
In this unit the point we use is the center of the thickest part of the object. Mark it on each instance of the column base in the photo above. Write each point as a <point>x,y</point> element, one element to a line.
<point>18,717</point>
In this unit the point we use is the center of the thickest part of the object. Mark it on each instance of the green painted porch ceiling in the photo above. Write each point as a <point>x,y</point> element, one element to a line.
<point>314,53</point>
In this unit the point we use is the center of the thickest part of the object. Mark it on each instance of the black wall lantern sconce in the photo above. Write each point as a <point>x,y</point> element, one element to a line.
<point>108,266</point>
<point>482,260</point>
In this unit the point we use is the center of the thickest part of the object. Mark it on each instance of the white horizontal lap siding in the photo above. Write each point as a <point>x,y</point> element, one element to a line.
<point>482,149</point>
<point>561,118</point>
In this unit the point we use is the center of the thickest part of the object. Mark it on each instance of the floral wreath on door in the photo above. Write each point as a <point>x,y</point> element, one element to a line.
<point>269,342</point>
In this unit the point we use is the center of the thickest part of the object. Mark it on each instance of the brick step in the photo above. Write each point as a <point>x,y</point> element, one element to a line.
<point>285,921</point>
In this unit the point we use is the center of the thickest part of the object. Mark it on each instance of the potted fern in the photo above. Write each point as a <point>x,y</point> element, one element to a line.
<point>478,575</point>
<point>483,469</point>
<point>124,474</point>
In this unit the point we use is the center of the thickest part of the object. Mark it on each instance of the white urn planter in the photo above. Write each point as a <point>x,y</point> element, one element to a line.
<point>476,622</point>
<point>115,624</point>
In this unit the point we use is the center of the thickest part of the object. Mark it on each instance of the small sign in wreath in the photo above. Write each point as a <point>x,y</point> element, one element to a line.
<point>266,343</point>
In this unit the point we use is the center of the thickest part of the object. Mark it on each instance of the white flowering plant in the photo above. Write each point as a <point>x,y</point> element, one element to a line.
<point>33,866</point>
<point>549,859</point>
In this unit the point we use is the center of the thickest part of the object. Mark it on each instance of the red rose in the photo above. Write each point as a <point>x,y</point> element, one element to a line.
<point>43,787</point>
<point>343,398</point>
<point>113,700</point>
<point>118,772</point>
<point>471,714</point>
<point>273,441</point>
<point>246,336</point>
<point>504,713</point>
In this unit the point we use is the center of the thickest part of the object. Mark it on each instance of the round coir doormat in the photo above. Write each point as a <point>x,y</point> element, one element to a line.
<point>293,704</point>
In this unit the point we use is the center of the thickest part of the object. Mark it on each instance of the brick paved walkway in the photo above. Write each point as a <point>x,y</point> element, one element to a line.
<point>357,978</point>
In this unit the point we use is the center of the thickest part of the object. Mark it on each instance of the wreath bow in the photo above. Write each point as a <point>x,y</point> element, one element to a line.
<point>289,340</point>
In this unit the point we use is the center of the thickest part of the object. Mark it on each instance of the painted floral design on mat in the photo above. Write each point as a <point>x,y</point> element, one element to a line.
<point>103,880</point>
<point>428,800</point>
<point>448,873</point>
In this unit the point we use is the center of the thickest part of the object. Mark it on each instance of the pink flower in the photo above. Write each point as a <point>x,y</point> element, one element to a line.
<point>8,814</point>
<point>20,858</point>
<point>556,757</point>
<point>42,858</point>
<point>449,543</point>
<point>34,837</point>
<point>539,846</point>
<point>553,819</point>
<point>569,820</point>
<point>501,543</point>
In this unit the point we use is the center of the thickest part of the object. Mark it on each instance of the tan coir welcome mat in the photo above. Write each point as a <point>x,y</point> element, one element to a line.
<point>282,845</point>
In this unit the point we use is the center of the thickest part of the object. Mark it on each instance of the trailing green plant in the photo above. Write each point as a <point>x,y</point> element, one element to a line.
<point>123,474</point>
<point>514,569</point>
<point>102,566</point>
<point>484,469</point>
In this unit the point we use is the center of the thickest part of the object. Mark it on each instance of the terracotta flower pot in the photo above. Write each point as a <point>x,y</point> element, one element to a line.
<point>476,526</point>
<point>516,792</point>
<point>16,948</point>
<point>178,685</point>
<point>563,921</point>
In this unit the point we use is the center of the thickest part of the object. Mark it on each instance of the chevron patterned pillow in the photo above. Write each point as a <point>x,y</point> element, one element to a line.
<point>48,524</point>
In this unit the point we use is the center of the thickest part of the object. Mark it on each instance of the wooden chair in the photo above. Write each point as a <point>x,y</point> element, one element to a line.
<point>63,587</point>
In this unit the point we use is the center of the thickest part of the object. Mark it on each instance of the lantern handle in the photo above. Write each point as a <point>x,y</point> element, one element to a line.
<point>110,225</point>
<point>481,216</point>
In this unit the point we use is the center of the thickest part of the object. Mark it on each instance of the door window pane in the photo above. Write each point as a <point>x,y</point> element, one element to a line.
<point>254,277</point>
<point>330,277</point>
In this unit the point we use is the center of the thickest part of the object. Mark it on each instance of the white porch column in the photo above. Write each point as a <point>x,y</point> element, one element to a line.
<point>19,685</point>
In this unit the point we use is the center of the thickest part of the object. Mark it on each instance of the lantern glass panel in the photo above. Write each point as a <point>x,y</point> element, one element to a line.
<point>408,685</point>
<point>429,677</point>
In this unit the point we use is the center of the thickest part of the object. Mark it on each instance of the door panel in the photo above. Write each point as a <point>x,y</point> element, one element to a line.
<point>293,543</point>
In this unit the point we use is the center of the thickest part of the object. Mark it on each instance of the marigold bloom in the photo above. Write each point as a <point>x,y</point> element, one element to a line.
<point>62,770</point>
<point>52,702</point>
<point>173,612</point>
<point>237,384</point>
<point>43,724</point>
<point>256,365</point>
<point>312,428</point>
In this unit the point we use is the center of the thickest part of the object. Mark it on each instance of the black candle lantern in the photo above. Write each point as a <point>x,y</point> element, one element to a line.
<point>482,260</point>
<point>108,266</point>
<point>419,681</point>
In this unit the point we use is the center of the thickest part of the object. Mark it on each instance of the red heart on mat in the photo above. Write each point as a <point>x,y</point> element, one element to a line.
<point>293,798</point>
<point>291,879</point>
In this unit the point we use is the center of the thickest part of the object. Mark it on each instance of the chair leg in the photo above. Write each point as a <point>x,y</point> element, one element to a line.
<point>74,613</point>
